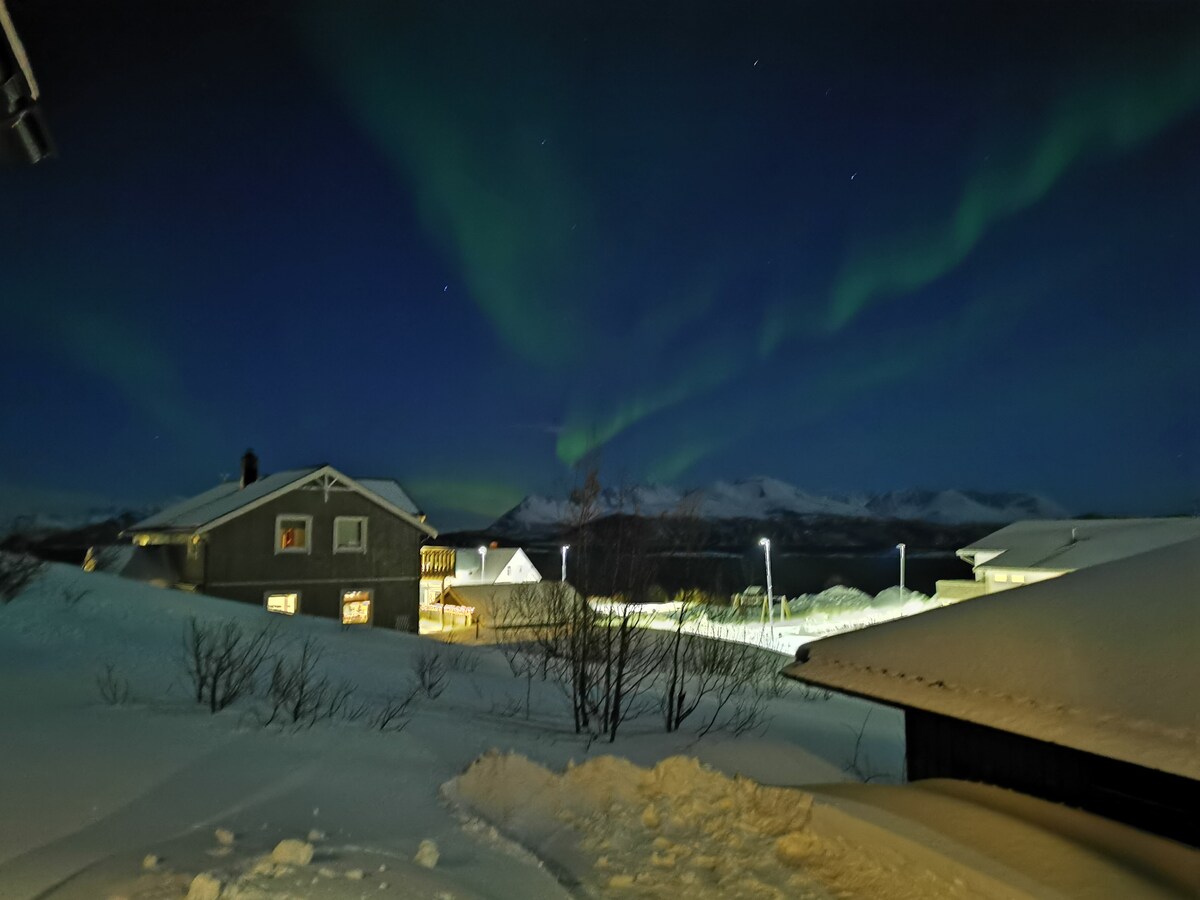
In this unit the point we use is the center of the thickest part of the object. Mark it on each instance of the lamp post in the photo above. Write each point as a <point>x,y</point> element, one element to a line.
<point>901,548</point>
<point>565,548</point>
<point>482,562</point>
<point>765,543</point>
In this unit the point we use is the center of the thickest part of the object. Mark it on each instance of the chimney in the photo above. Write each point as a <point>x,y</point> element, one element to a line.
<point>249,468</point>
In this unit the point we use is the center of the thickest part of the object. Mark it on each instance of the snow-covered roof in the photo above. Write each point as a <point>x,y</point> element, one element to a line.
<point>218,504</point>
<point>499,605</point>
<point>389,489</point>
<point>1102,660</point>
<point>1068,544</point>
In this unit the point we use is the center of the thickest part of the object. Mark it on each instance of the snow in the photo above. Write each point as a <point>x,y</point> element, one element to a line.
<point>91,791</point>
<point>763,498</point>
<point>229,497</point>
<point>614,828</point>
<point>1102,659</point>
<point>1068,544</point>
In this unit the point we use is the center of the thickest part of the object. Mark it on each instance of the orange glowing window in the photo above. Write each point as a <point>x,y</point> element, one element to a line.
<point>292,534</point>
<point>356,607</point>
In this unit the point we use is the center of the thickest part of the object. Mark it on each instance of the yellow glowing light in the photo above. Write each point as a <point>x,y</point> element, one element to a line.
<point>356,607</point>
<point>283,603</point>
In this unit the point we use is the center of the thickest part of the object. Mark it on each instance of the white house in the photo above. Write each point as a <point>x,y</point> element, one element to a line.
<point>1028,552</point>
<point>500,565</point>
<point>443,567</point>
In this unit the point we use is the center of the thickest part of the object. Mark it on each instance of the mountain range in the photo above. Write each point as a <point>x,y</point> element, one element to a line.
<point>765,499</point>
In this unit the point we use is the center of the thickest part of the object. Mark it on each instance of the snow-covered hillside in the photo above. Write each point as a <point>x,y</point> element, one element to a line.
<point>152,798</point>
<point>766,498</point>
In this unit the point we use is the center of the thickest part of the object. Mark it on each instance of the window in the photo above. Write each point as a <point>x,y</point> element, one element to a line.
<point>1001,576</point>
<point>287,604</point>
<point>1018,579</point>
<point>356,607</point>
<point>350,534</point>
<point>292,534</point>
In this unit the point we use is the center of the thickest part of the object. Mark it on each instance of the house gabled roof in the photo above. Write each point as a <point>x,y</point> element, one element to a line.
<point>218,505</point>
<point>1063,545</point>
<point>467,562</point>
<point>1102,660</point>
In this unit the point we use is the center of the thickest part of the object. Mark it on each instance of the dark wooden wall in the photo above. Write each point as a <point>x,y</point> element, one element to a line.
<point>241,563</point>
<point>943,747</point>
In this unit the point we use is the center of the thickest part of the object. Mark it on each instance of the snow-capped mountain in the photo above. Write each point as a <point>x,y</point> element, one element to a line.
<point>769,498</point>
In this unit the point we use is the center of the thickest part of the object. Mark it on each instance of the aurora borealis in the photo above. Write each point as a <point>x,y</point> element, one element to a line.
<point>853,245</point>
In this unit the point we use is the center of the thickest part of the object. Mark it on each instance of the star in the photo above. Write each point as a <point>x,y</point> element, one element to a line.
<point>852,177</point>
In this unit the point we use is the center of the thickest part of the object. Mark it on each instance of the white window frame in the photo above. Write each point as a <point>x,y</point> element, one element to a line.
<point>370,592</point>
<point>267,595</point>
<point>360,549</point>
<point>308,534</point>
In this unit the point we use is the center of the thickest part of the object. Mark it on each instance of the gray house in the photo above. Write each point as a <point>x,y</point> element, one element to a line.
<point>312,541</point>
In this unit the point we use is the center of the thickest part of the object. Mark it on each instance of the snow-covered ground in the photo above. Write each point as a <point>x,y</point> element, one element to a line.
<point>792,623</point>
<point>155,797</point>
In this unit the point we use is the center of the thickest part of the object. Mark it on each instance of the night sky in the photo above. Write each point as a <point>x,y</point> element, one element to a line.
<point>855,246</point>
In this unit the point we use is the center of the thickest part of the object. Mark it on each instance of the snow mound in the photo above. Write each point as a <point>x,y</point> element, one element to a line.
<point>615,828</point>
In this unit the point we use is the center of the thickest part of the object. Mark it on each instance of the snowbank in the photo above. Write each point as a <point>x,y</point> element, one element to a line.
<point>613,829</point>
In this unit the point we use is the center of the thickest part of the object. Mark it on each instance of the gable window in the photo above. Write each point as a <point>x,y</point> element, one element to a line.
<point>286,603</point>
<point>356,607</point>
<point>350,534</point>
<point>292,534</point>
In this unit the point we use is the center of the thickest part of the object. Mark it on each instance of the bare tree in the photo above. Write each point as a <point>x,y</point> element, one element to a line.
<point>222,661</point>
<point>606,661</point>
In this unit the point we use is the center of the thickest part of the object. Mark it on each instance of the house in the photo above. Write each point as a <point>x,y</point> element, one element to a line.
<point>442,567</point>
<point>310,540</point>
<point>1028,552</point>
<point>1081,689</point>
<point>492,609</point>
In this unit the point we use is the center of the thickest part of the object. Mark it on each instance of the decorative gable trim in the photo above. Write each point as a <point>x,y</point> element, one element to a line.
<point>327,479</point>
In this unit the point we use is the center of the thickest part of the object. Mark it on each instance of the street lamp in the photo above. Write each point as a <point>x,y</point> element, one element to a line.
<point>765,543</point>
<point>901,548</point>
<point>482,563</point>
<point>565,548</point>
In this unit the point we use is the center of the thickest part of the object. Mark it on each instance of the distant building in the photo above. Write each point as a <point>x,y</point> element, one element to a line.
<point>491,610</point>
<point>1081,689</point>
<point>1028,552</point>
<point>442,567</point>
<point>311,540</point>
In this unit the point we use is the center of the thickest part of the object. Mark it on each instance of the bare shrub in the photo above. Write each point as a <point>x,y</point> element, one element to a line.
<point>431,673</point>
<point>17,570</point>
<point>396,712</point>
<point>114,690</point>
<point>460,659</point>
<point>300,695</point>
<point>859,762</point>
<point>222,661</point>
<point>731,681</point>
<point>72,594</point>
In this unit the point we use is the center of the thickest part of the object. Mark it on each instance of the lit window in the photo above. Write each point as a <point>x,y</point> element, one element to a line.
<point>356,607</point>
<point>292,534</point>
<point>287,604</point>
<point>1001,576</point>
<point>1018,579</point>
<point>350,534</point>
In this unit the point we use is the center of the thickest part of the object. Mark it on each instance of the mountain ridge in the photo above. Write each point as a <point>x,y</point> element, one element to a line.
<point>765,498</point>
